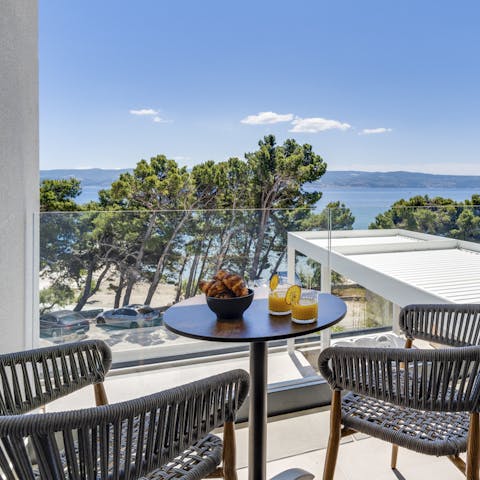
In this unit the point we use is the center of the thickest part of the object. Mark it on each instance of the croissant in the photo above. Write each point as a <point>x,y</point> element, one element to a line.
<point>221,274</point>
<point>217,288</point>
<point>236,284</point>
<point>224,285</point>
<point>204,285</point>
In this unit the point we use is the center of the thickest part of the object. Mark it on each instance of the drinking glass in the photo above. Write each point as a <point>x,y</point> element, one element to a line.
<point>276,301</point>
<point>306,310</point>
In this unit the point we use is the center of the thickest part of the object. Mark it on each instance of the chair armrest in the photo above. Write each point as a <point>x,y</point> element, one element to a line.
<point>450,324</point>
<point>139,435</point>
<point>32,378</point>
<point>437,380</point>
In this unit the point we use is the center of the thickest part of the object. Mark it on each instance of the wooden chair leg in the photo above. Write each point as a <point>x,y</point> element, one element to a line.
<point>100,394</point>
<point>229,452</point>
<point>334,437</point>
<point>473,446</point>
<point>393,461</point>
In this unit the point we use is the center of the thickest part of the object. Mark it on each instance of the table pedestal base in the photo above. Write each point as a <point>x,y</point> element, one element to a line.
<point>257,419</point>
<point>294,474</point>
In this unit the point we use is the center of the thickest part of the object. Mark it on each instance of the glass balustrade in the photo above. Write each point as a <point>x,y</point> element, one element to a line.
<point>111,275</point>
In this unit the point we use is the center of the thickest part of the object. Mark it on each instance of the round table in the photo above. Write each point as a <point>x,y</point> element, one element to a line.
<point>192,318</point>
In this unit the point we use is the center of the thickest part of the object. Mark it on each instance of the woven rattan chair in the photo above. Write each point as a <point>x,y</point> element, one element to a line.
<point>33,378</point>
<point>161,436</point>
<point>423,400</point>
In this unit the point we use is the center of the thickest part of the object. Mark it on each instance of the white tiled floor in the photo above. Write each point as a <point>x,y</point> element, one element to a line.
<point>300,442</point>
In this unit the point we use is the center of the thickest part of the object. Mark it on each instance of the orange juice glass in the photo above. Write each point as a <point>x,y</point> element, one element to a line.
<point>306,310</point>
<point>276,301</point>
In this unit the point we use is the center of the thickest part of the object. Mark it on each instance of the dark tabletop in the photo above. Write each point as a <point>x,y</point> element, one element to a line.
<point>192,318</point>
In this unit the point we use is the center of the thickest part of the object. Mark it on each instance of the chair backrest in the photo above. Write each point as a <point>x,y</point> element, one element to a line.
<point>123,440</point>
<point>32,378</point>
<point>456,325</point>
<point>437,380</point>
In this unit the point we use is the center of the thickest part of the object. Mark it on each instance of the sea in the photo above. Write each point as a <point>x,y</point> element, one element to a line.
<point>365,203</point>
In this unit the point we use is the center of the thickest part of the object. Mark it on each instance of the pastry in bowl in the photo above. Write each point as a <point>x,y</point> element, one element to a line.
<point>227,294</point>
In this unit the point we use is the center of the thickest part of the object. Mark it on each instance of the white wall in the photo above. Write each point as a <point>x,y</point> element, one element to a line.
<point>18,170</point>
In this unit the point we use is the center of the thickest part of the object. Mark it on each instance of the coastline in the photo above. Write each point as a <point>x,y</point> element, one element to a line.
<point>365,202</point>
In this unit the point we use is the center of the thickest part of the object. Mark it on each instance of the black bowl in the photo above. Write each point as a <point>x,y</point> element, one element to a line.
<point>230,308</point>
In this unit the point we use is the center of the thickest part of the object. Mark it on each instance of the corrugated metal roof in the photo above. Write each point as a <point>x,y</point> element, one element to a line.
<point>453,273</point>
<point>402,266</point>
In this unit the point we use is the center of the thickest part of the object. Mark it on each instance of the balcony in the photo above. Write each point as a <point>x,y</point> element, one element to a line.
<point>360,456</point>
<point>150,358</point>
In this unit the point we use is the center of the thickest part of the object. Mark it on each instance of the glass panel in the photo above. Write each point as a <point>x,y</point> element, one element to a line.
<point>400,255</point>
<point>96,262</point>
<point>99,263</point>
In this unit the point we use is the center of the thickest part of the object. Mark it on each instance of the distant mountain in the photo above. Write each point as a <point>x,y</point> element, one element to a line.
<point>98,177</point>
<point>353,178</point>
<point>89,177</point>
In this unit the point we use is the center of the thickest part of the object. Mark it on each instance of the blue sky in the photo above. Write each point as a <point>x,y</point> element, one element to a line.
<point>372,85</point>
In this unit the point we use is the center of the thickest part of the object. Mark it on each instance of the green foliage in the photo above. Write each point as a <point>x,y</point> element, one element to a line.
<point>155,185</point>
<point>178,226</point>
<point>335,216</point>
<point>57,294</point>
<point>378,312</point>
<point>278,175</point>
<point>59,195</point>
<point>437,216</point>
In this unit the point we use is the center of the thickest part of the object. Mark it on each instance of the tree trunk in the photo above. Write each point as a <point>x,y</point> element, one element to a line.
<point>204,262</point>
<point>87,288</point>
<point>119,290</point>
<point>226,236</point>
<point>161,260</point>
<point>278,262</point>
<point>180,275</point>
<point>259,245</point>
<point>264,261</point>
<point>47,308</point>
<point>100,279</point>
<point>132,278</point>
<point>223,251</point>
<point>128,289</point>
<point>132,274</point>
<point>88,291</point>
<point>191,276</point>
<point>245,256</point>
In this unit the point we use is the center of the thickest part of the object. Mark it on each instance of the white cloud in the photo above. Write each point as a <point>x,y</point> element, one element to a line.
<point>144,111</point>
<point>150,113</point>
<point>372,131</point>
<point>264,118</point>
<point>317,124</point>
<point>158,119</point>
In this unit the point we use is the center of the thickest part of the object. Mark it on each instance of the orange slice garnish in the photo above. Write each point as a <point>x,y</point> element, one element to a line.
<point>274,280</point>
<point>293,295</point>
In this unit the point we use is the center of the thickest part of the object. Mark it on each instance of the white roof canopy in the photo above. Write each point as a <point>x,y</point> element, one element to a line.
<point>402,266</point>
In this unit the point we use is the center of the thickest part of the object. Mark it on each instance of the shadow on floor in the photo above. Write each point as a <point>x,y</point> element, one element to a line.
<point>398,474</point>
